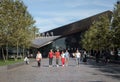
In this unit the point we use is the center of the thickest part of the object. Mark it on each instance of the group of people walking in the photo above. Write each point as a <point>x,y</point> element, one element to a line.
<point>63,56</point>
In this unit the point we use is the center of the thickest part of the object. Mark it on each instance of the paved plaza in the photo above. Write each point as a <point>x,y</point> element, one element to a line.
<point>90,72</point>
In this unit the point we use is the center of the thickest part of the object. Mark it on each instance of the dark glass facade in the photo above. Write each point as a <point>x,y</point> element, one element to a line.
<point>70,42</point>
<point>70,35</point>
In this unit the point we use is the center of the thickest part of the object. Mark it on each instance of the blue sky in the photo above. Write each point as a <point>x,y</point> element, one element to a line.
<point>50,14</point>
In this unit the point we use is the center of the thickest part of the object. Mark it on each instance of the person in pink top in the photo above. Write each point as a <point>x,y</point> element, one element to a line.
<point>38,58</point>
<point>63,58</point>
<point>57,55</point>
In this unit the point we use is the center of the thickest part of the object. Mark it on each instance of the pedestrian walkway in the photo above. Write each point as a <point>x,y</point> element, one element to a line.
<point>90,72</point>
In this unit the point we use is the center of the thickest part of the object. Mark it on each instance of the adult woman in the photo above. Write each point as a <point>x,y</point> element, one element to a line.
<point>67,55</point>
<point>50,55</point>
<point>85,57</point>
<point>57,54</point>
<point>77,55</point>
<point>38,58</point>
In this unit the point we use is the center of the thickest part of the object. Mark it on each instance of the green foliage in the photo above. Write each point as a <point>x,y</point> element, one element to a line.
<point>9,62</point>
<point>97,37</point>
<point>16,24</point>
<point>116,25</point>
<point>105,33</point>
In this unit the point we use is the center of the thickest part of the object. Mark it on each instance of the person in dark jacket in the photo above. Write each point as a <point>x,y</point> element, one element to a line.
<point>85,57</point>
<point>107,56</point>
<point>97,56</point>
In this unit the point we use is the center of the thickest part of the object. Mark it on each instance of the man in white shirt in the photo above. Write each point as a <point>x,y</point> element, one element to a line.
<point>77,55</point>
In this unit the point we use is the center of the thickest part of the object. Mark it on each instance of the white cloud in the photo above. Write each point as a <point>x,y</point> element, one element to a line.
<point>74,4</point>
<point>105,3</point>
<point>50,14</point>
<point>50,23</point>
<point>59,19</point>
<point>83,3</point>
<point>69,13</point>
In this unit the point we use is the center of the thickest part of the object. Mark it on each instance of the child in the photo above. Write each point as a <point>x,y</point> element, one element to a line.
<point>63,58</point>
<point>26,60</point>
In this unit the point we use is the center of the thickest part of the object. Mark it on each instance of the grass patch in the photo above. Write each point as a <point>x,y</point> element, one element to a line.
<point>10,61</point>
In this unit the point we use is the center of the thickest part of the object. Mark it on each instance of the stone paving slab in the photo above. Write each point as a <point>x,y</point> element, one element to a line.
<point>3,68</point>
<point>90,72</point>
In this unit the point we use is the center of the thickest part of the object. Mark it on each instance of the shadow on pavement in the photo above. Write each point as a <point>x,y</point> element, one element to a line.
<point>45,65</point>
<point>72,65</point>
<point>34,66</point>
<point>115,76</point>
<point>110,70</point>
<point>95,81</point>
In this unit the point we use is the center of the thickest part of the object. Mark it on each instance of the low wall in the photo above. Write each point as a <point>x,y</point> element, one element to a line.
<point>3,68</point>
<point>14,65</point>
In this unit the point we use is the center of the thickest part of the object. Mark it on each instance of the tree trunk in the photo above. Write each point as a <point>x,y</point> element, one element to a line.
<point>3,55</point>
<point>17,51</point>
<point>6,51</point>
<point>23,52</point>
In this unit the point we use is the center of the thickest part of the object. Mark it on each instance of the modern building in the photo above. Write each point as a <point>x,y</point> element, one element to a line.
<point>66,37</point>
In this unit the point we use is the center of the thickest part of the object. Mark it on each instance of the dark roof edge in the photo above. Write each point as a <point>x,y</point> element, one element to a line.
<point>77,21</point>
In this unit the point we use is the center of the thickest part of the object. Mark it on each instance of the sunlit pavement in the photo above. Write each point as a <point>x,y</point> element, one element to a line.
<point>90,72</point>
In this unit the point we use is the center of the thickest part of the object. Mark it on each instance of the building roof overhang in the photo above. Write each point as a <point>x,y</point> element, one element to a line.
<point>72,28</point>
<point>42,41</point>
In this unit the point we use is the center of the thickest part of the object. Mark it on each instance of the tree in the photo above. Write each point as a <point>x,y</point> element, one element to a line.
<point>98,36</point>
<point>116,25</point>
<point>89,38</point>
<point>4,25</point>
<point>16,24</point>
